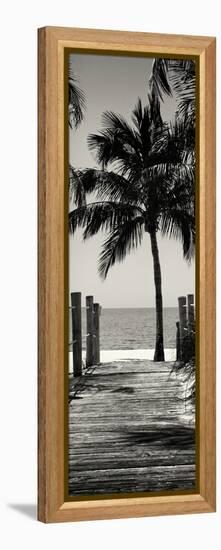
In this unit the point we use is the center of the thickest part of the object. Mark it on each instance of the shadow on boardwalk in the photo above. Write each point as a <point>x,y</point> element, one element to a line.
<point>129,430</point>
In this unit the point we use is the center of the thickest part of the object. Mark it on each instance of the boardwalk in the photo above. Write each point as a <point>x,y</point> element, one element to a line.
<point>128,431</point>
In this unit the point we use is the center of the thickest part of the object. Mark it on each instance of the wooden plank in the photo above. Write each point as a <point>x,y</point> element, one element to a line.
<point>139,478</point>
<point>127,430</point>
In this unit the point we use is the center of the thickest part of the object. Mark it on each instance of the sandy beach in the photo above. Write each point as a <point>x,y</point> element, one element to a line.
<point>108,356</point>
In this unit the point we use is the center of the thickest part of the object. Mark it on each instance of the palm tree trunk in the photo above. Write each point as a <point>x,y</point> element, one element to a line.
<point>159,348</point>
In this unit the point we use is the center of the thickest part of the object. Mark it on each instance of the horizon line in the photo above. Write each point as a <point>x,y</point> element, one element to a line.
<point>133,307</point>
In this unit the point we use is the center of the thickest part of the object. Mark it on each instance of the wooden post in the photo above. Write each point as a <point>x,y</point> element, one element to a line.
<point>183,322</point>
<point>96,334</point>
<point>76,333</point>
<point>90,331</point>
<point>190,302</point>
<point>178,341</point>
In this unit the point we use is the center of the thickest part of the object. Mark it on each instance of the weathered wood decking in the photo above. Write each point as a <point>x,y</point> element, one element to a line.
<point>127,431</point>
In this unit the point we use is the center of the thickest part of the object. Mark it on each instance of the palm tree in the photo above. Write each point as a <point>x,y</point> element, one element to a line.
<point>76,101</point>
<point>150,189</point>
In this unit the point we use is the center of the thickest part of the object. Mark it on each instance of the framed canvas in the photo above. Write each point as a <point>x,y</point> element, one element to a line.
<point>126,380</point>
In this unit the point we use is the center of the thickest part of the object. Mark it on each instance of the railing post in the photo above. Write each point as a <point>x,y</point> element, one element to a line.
<point>190,302</point>
<point>76,333</point>
<point>183,322</point>
<point>96,354</point>
<point>178,355</point>
<point>90,330</point>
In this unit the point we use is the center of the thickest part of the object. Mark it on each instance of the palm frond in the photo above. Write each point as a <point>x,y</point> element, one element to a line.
<point>181,192</point>
<point>120,147</point>
<point>77,193</point>
<point>171,142</point>
<point>76,100</point>
<point>104,184</point>
<point>123,146</point>
<point>176,77</point>
<point>81,183</point>
<point>159,82</point>
<point>104,216</point>
<point>180,225</point>
<point>104,146</point>
<point>154,109</point>
<point>124,238</point>
<point>168,186</point>
<point>147,120</point>
<point>137,114</point>
<point>114,186</point>
<point>183,78</point>
<point>141,118</point>
<point>116,123</point>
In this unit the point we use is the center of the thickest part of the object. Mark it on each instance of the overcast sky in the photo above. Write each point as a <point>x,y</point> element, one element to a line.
<point>114,83</point>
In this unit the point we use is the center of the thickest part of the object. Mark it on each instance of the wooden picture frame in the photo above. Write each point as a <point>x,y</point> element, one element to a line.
<point>52,505</point>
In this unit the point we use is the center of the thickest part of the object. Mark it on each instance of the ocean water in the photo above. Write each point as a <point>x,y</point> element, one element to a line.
<point>131,328</point>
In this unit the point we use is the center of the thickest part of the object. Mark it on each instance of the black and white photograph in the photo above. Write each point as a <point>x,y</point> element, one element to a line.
<point>132,374</point>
